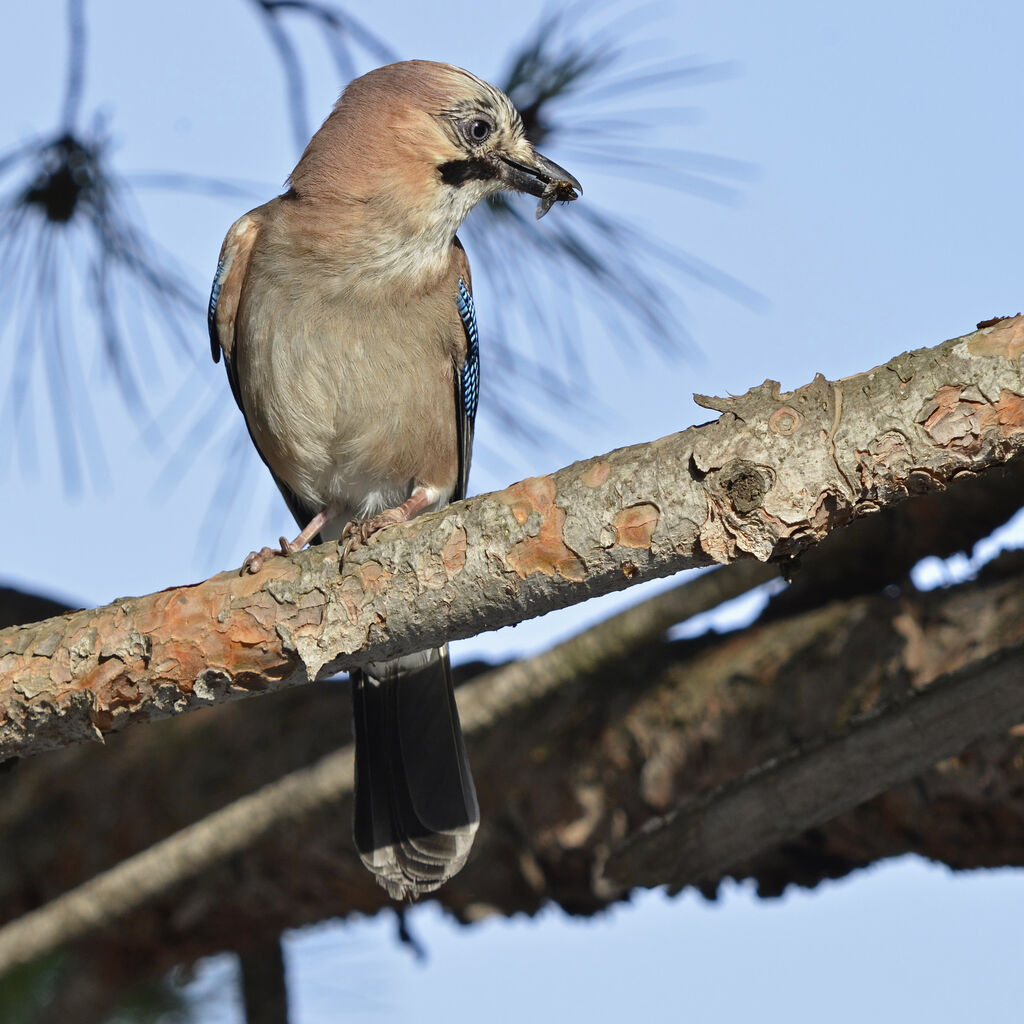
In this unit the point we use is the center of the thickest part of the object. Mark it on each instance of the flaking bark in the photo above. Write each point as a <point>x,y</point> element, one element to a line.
<point>773,475</point>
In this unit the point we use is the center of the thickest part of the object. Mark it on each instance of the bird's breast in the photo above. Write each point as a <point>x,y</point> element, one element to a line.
<point>350,398</point>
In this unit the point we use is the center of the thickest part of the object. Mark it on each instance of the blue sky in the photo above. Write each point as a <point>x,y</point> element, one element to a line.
<point>884,215</point>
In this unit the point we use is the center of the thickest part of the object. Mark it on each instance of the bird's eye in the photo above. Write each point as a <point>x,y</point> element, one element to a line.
<point>477,129</point>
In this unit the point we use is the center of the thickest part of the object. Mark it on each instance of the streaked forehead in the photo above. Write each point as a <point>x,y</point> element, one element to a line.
<point>482,93</point>
<point>438,88</point>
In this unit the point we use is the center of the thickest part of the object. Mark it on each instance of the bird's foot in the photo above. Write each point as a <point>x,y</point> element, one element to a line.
<point>254,562</point>
<point>358,531</point>
<point>255,559</point>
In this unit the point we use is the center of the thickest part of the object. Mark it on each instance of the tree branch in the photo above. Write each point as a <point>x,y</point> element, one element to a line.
<point>696,845</point>
<point>773,475</point>
<point>102,900</point>
<point>632,734</point>
<point>264,983</point>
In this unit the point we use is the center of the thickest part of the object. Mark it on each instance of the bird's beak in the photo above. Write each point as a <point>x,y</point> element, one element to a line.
<point>538,176</point>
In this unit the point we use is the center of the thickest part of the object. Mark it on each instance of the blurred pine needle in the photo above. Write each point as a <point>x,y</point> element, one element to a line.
<point>591,94</point>
<point>68,232</point>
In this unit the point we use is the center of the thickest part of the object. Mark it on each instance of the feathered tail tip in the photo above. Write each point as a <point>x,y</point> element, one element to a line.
<point>412,868</point>
<point>416,812</point>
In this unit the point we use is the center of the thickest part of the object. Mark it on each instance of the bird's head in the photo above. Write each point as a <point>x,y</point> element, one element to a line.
<point>418,144</point>
<point>482,145</point>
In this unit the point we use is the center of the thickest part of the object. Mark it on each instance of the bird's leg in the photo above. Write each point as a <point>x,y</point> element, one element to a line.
<point>255,560</point>
<point>358,531</point>
<point>313,527</point>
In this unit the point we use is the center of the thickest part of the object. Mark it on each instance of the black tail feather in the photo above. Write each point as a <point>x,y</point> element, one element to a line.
<point>415,806</point>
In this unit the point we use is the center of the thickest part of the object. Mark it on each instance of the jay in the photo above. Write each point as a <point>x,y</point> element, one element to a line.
<point>344,314</point>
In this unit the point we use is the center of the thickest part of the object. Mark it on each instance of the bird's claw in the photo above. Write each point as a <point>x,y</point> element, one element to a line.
<point>255,559</point>
<point>358,531</point>
<point>353,536</point>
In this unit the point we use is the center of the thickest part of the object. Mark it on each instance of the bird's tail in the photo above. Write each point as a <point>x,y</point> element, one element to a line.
<point>415,806</point>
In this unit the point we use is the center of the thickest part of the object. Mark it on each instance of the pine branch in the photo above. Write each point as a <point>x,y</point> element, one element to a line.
<point>772,475</point>
<point>699,844</point>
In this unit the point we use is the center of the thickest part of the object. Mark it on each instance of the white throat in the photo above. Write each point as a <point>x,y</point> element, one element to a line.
<point>392,251</point>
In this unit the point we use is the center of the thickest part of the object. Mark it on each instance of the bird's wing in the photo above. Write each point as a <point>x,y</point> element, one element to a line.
<point>235,254</point>
<point>225,297</point>
<point>467,376</point>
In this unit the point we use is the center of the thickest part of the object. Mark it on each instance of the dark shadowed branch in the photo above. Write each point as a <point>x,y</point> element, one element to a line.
<point>699,844</point>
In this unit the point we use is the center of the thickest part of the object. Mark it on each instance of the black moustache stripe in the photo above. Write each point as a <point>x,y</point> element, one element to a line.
<point>458,172</point>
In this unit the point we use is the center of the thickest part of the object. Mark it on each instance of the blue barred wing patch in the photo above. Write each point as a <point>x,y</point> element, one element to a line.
<point>471,368</point>
<point>211,311</point>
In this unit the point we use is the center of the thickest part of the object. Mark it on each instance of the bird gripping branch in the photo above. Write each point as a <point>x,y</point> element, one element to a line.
<point>344,312</point>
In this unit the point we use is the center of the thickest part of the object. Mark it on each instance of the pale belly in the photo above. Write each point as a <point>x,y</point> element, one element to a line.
<point>347,418</point>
